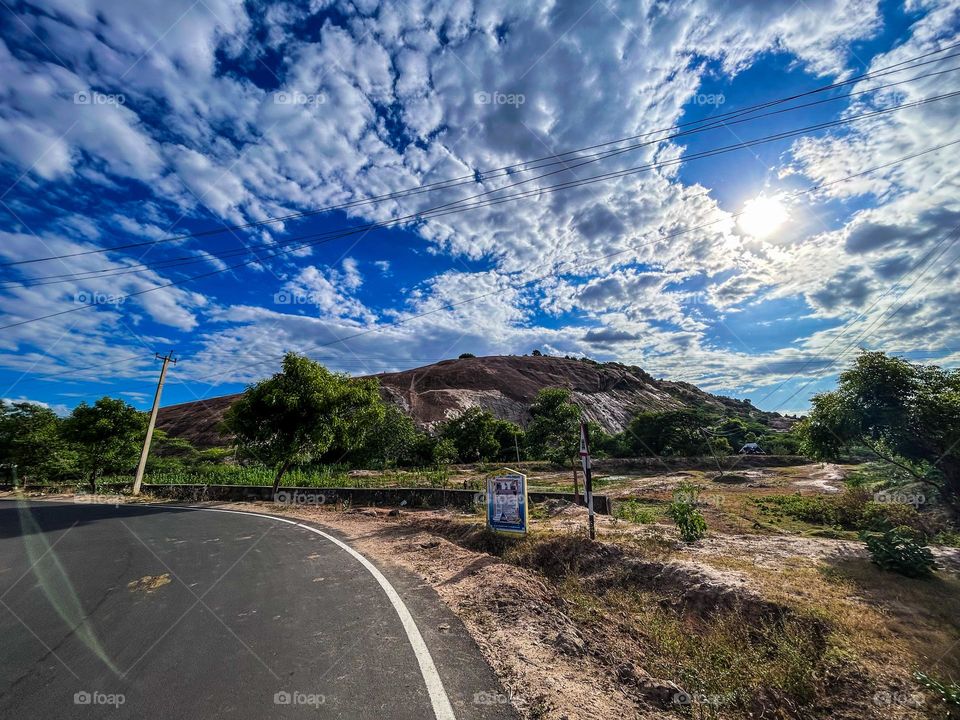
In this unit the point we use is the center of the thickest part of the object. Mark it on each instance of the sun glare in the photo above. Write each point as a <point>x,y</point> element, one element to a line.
<point>762,216</point>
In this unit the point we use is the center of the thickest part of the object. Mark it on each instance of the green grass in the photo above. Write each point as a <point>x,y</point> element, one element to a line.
<point>635,512</point>
<point>724,661</point>
<point>330,476</point>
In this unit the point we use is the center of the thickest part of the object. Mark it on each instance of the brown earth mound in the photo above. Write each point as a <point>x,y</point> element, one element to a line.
<point>609,393</point>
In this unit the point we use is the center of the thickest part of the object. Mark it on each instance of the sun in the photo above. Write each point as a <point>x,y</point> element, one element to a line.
<point>762,216</point>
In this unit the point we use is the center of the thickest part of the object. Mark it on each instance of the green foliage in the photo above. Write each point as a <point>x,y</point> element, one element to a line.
<point>852,509</point>
<point>464,356</point>
<point>897,551</point>
<point>31,439</point>
<point>684,512</point>
<point>635,512</point>
<point>906,414</point>
<point>444,452</point>
<point>106,436</point>
<point>391,438</point>
<point>672,432</point>
<point>301,413</point>
<point>554,430</point>
<point>473,434</point>
<point>947,692</point>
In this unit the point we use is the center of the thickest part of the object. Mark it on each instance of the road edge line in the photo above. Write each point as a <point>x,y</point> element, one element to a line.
<point>442,709</point>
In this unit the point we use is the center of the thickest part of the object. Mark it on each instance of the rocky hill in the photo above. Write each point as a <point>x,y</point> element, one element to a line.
<point>609,393</point>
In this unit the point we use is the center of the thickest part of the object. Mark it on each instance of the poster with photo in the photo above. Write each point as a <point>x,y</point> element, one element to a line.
<point>507,503</point>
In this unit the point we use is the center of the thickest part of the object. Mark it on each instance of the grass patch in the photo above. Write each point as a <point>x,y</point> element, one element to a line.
<point>852,510</point>
<point>725,663</point>
<point>635,512</point>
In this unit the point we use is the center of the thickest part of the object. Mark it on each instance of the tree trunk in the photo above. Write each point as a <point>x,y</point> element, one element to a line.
<point>280,473</point>
<point>93,482</point>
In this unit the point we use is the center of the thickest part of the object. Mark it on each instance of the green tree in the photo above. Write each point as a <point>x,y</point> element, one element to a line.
<point>734,429</point>
<point>391,438</point>
<point>511,438</point>
<point>106,436</point>
<point>671,432</point>
<point>301,412</point>
<point>444,452</point>
<point>554,429</point>
<point>905,414</point>
<point>30,438</point>
<point>474,434</point>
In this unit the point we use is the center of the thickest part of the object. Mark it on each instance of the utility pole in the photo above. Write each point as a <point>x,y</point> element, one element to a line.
<point>138,480</point>
<point>587,474</point>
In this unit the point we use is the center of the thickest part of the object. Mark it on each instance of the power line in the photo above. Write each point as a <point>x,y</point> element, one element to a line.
<point>74,371</point>
<point>556,272</point>
<point>206,257</point>
<point>716,121</point>
<point>863,315</point>
<point>449,208</point>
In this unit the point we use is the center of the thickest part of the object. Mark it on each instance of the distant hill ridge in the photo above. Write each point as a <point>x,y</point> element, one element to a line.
<point>609,393</point>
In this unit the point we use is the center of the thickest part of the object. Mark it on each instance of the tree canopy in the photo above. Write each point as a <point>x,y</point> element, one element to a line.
<point>904,413</point>
<point>107,437</point>
<point>301,412</point>
<point>554,429</point>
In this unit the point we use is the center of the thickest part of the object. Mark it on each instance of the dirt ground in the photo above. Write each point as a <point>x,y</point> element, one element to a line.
<point>534,614</point>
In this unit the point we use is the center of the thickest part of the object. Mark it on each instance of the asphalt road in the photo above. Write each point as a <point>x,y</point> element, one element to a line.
<point>154,612</point>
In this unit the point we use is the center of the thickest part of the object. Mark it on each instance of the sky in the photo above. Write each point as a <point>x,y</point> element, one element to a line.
<point>151,155</point>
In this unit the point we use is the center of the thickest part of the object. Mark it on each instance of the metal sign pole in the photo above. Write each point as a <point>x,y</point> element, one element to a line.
<point>587,474</point>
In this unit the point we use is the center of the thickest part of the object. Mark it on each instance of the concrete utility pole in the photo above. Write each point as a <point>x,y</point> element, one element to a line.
<point>138,480</point>
<point>587,474</point>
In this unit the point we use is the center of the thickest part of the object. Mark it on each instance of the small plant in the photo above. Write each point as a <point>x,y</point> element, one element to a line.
<point>684,512</point>
<point>897,551</point>
<point>634,512</point>
<point>948,692</point>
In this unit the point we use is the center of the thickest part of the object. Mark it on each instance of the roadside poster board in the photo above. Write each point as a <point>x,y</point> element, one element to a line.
<point>507,503</point>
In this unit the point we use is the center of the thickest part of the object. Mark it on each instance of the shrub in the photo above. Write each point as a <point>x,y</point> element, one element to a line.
<point>896,551</point>
<point>634,512</point>
<point>684,512</point>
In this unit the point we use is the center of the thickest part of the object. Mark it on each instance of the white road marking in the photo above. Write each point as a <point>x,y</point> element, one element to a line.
<point>442,709</point>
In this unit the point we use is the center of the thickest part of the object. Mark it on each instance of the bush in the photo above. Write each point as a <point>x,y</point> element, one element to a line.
<point>634,512</point>
<point>897,551</point>
<point>684,512</point>
<point>853,509</point>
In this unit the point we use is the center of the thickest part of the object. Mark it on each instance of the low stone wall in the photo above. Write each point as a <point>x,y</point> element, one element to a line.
<point>361,497</point>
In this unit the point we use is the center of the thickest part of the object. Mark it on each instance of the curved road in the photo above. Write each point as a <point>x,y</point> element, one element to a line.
<point>163,612</point>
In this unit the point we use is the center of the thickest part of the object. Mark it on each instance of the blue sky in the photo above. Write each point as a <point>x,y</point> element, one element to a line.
<point>129,125</point>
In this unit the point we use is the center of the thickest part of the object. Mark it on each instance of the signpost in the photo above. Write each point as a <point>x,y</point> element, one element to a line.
<point>587,475</point>
<point>507,503</point>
